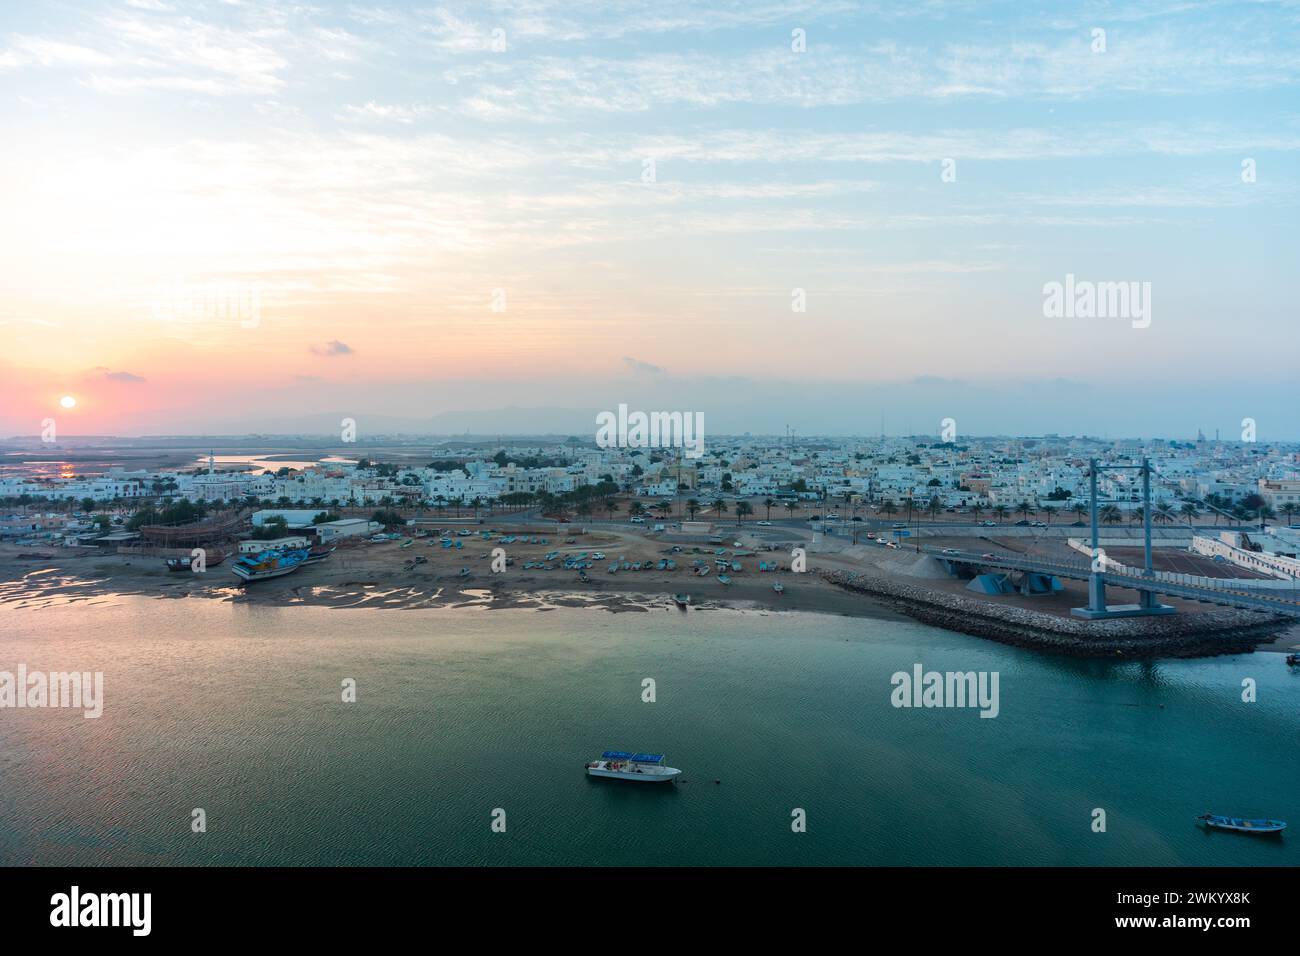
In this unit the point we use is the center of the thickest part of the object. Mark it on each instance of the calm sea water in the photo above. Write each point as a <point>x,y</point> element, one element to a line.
<point>238,710</point>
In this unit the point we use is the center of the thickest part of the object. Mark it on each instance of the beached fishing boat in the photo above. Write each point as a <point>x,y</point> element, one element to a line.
<point>682,600</point>
<point>1293,660</point>
<point>638,768</point>
<point>319,552</point>
<point>211,559</point>
<point>779,588</point>
<point>463,573</point>
<point>724,579</point>
<point>1242,825</point>
<point>269,564</point>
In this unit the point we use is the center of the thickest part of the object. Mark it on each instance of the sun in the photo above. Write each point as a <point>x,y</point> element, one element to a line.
<point>67,401</point>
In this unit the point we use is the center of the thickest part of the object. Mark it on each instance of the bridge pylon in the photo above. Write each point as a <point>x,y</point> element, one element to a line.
<point>1148,604</point>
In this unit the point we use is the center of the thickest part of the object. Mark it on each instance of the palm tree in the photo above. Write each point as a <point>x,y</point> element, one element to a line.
<point>1080,510</point>
<point>1163,514</point>
<point>1024,508</point>
<point>1000,512</point>
<point>1049,511</point>
<point>887,507</point>
<point>720,507</point>
<point>1109,514</point>
<point>792,507</point>
<point>934,506</point>
<point>977,509</point>
<point>743,508</point>
<point>1190,511</point>
<point>768,503</point>
<point>1139,515</point>
<point>692,507</point>
<point>1288,510</point>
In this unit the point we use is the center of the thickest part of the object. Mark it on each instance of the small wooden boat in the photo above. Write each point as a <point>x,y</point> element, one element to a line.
<point>212,557</point>
<point>1241,825</point>
<point>464,573</point>
<point>682,600</point>
<point>724,579</point>
<point>1293,660</point>
<point>779,588</point>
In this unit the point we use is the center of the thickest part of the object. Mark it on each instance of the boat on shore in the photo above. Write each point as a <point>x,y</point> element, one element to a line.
<point>682,600</point>
<point>319,552</point>
<point>1242,825</point>
<point>636,767</point>
<point>778,587</point>
<point>1293,660</point>
<point>211,559</point>
<point>269,564</point>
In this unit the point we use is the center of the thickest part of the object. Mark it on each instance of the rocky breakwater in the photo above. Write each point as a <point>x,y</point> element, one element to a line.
<point>1204,634</point>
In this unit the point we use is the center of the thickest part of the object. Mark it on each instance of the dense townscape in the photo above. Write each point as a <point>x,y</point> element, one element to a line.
<point>987,478</point>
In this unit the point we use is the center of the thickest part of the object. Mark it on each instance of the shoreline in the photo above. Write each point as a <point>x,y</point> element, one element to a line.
<point>33,580</point>
<point>370,577</point>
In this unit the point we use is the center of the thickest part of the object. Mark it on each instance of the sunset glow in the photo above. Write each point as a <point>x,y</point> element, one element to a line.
<point>318,210</point>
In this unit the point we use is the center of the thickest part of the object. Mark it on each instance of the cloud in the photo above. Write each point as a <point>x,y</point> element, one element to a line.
<point>332,348</point>
<point>647,368</point>
<point>127,377</point>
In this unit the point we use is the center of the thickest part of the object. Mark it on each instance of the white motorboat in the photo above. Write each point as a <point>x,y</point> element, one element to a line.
<point>640,768</point>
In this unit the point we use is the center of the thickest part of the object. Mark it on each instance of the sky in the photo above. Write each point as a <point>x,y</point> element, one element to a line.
<point>224,217</point>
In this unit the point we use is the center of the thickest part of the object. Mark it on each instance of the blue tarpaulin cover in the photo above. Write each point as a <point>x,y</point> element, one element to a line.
<point>624,755</point>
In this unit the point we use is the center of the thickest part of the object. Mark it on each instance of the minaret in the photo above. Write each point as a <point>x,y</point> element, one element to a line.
<point>212,462</point>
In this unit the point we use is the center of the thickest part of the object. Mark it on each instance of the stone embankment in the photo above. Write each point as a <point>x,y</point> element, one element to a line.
<point>1204,634</point>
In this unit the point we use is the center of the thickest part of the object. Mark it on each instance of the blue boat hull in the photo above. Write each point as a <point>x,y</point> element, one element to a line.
<point>1243,825</point>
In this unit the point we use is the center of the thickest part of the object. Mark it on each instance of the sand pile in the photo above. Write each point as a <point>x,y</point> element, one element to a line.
<point>924,567</point>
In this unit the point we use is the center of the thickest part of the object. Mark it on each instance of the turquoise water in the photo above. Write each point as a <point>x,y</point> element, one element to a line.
<point>238,710</point>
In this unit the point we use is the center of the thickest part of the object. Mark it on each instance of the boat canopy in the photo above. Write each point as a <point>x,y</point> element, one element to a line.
<point>638,758</point>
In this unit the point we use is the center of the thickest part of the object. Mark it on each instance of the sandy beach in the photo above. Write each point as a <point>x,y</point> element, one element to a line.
<point>889,583</point>
<point>371,574</point>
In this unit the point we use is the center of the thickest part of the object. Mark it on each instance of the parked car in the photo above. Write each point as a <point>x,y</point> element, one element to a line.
<point>765,524</point>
